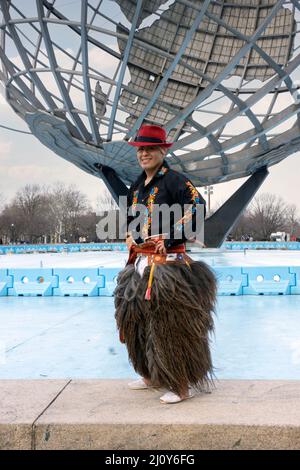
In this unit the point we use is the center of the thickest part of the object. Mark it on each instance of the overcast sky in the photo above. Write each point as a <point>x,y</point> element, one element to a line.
<point>24,160</point>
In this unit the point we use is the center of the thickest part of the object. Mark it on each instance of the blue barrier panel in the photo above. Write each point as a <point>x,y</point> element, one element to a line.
<point>235,246</point>
<point>271,280</point>
<point>39,249</point>
<point>122,247</point>
<point>69,247</point>
<point>106,247</point>
<point>294,245</point>
<point>102,281</point>
<point>261,245</point>
<point>9,250</point>
<point>79,282</point>
<point>74,247</point>
<point>21,250</point>
<point>231,280</point>
<point>295,270</point>
<point>119,247</point>
<point>6,281</point>
<point>110,280</point>
<point>32,282</point>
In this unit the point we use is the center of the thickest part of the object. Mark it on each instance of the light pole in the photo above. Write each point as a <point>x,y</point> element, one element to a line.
<point>12,232</point>
<point>209,191</point>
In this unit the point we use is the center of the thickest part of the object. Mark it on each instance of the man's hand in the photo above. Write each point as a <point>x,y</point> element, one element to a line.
<point>160,247</point>
<point>129,242</point>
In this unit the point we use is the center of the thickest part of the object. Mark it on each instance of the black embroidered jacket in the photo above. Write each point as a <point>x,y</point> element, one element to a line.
<point>166,187</point>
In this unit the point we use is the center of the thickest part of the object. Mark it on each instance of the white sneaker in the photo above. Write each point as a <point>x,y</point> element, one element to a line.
<point>138,384</point>
<point>171,397</point>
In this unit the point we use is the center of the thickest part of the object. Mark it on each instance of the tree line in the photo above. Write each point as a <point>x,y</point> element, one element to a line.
<point>39,214</point>
<point>266,214</point>
<point>60,214</point>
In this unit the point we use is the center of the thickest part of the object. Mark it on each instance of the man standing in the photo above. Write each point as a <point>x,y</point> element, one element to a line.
<point>164,300</point>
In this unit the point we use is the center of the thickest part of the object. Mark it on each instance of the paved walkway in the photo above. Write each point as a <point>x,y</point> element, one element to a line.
<point>105,414</point>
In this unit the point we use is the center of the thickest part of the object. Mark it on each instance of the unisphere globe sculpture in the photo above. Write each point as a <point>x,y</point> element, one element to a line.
<point>219,75</point>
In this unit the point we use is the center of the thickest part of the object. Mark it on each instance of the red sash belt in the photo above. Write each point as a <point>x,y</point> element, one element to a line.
<point>148,248</point>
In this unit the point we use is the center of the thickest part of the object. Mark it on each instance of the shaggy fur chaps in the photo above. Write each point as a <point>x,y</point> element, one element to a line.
<point>167,337</point>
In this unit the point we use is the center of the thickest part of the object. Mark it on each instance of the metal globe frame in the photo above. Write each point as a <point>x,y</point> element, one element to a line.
<point>220,76</point>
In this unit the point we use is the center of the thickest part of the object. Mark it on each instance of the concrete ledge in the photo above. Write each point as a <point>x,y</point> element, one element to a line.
<point>21,403</point>
<point>105,414</point>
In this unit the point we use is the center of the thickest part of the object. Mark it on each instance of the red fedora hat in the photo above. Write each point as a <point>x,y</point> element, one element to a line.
<point>151,135</point>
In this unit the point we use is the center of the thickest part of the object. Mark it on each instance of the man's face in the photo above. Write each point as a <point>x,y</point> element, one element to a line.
<point>150,157</point>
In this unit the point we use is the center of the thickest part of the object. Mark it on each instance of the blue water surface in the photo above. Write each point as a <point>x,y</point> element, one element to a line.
<point>59,337</point>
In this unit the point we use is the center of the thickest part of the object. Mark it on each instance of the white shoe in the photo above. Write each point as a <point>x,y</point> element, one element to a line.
<point>171,397</point>
<point>138,384</point>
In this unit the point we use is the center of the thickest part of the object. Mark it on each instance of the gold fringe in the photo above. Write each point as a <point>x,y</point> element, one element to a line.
<point>150,280</point>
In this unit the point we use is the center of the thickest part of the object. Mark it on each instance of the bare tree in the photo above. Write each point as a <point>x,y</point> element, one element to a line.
<point>243,227</point>
<point>31,211</point>
<point>2,202</point>
<point>105,202</point>
<point>38,214</point>
<point>11,224</point>
<point>86,226</point>
<point>267,215</point>
<point>66,205</point>
<point>58,211</point>
<point>292,222</point>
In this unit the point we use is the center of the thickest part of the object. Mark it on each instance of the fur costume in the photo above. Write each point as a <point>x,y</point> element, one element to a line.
<point>167,337</point>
